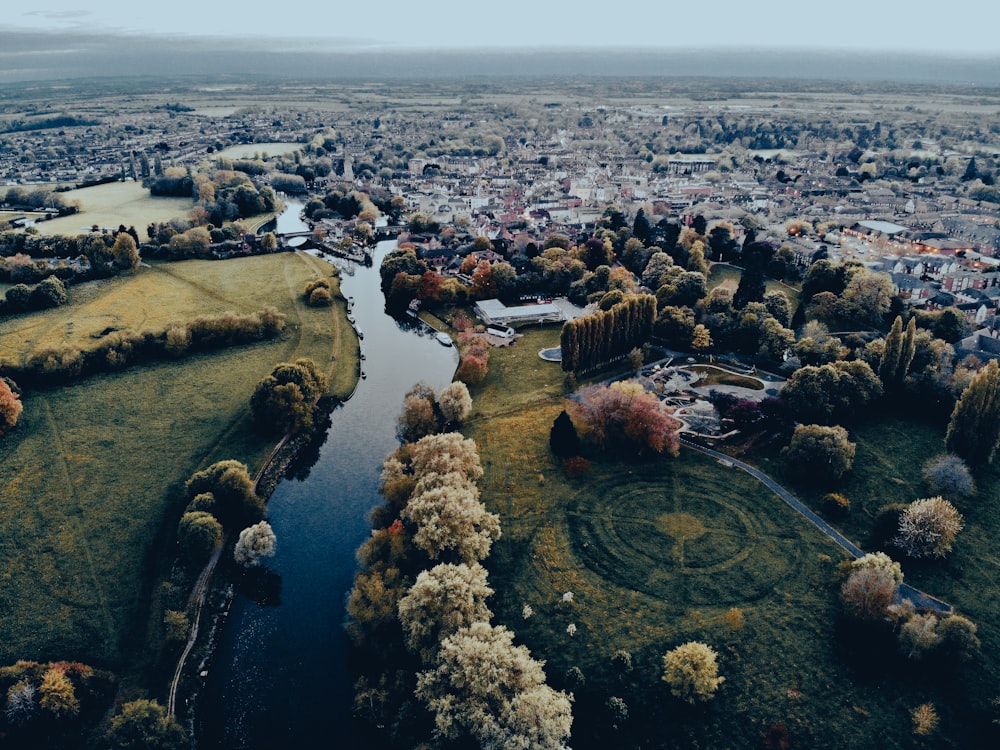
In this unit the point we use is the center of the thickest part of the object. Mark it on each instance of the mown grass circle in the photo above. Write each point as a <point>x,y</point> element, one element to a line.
<point>691,532</point>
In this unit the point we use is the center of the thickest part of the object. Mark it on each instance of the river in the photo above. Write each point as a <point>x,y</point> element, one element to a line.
<point>279,676</point>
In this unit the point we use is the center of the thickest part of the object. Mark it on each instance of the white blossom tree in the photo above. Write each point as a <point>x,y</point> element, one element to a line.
<point>928,527</point>
<point>255,542</point>
<point>692,672</point>
<point>445,453</point>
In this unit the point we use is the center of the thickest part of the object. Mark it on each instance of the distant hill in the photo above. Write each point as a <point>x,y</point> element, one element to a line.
<point>43,56</point>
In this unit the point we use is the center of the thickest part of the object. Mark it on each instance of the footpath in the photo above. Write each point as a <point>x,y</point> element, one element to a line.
<point>920,599</point>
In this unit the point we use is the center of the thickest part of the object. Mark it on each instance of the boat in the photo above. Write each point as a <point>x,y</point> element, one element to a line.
<point>443,338</point>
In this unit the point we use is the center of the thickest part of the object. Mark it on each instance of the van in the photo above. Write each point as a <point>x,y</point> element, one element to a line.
<point>502,331</point>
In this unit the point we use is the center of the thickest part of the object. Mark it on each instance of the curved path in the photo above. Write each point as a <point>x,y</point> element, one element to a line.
<point>919,598</point>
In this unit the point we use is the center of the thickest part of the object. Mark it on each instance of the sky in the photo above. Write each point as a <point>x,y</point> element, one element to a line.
<point>957,27</point>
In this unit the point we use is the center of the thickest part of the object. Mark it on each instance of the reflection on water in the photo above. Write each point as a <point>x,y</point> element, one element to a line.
<point>280,676</point>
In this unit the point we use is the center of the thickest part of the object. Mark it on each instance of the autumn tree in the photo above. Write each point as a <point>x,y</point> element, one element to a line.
<point>928,527</point>
<point>974,430</point>
<point>454,403</point>
<point>125,251</point>
<point>485,688</point>
<point>440,602</point>
<point>692,672</point>
<point>255,543</point>
<point>451,521</point>
<point>819,454</point>
<point>144,725</point>
<point>418,417</point>
<point>870,587</point>
<point>624,415</point>
<point>10,407</point>
<point>445,453</point>
<point>57,696</point>
<point>866,298</point>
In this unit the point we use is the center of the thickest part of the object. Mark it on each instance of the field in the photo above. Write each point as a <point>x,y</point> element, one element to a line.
<point>250,150</point>
<point>661,552</point>
<point>116,203</point>
<point>93,473</point>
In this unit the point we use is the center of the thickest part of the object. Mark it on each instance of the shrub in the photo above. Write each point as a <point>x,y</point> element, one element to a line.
<point>144,725</point>
<point>176,625</point>
<point>928,527</point>
<point>918,636</point>
<point>925,719</point>
<point>51,292</point>
<point>958,637</point>
<point>576,467</point>
<point>320,297</point>
<point>236,504</point>
<point>692,672</point>
<point>836,505</point>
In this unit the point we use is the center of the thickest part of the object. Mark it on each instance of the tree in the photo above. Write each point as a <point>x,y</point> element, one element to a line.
<point>949,476</point>
<point>255,542</point>
<point>692,672</point>
<point>283,401</point>
<point>10,407</point>
<point>198,534</point>
<point>832,391</point>
<point>866,298</point>
<point>486,688</point>
<point>563,438</point>
<point>441,601</point>
<point>445,453</point>
<point>898,354</point>
<point>675,325</point>
<point>50,292</point>
<point>450,520</point>
<point>871,587</point>
<point>455,403</point>
<point>775,339</point>
<point>144,725</point>
<point>750,289</point>
<point>819,454</point>
<point>625,416</point>
<point>974,430</point>
<point>22,702</point>
<point>417,419</point>
<point>918,635</point>
<point>701,338</point>
<point>125,252</point>
<point>928,527</point>
<point>229,482</point>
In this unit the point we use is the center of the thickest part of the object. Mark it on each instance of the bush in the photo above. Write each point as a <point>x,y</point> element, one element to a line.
<point>928,527</point>
<point>236,503</point>
<point>284,400</point>
<point>144,725</point>
<point>692,672</point>
<point>320,297</point>
<point>51,292</point>
<point>836,505</point>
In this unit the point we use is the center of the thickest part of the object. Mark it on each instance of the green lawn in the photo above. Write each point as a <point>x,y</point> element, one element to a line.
<point>657,553</point>
<point>723,274</point>
<point>93,473</point>
<point>115,203</point>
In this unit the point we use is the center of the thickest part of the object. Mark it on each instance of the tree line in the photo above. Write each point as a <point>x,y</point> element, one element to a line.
<point>597,338</point>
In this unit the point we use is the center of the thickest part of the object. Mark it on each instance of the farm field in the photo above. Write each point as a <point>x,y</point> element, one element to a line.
<point>94,472</point>
<point>657,553</point>
<point>111,205</point>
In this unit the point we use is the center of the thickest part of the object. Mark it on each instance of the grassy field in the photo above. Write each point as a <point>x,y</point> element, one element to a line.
<point>116,203</point>
<point>250,150</point>
<point>658,553</point>
<point>93,473</point>
<point>722,274</point>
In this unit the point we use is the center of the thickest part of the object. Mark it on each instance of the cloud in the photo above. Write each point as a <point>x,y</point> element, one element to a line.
<point>59,15</point>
